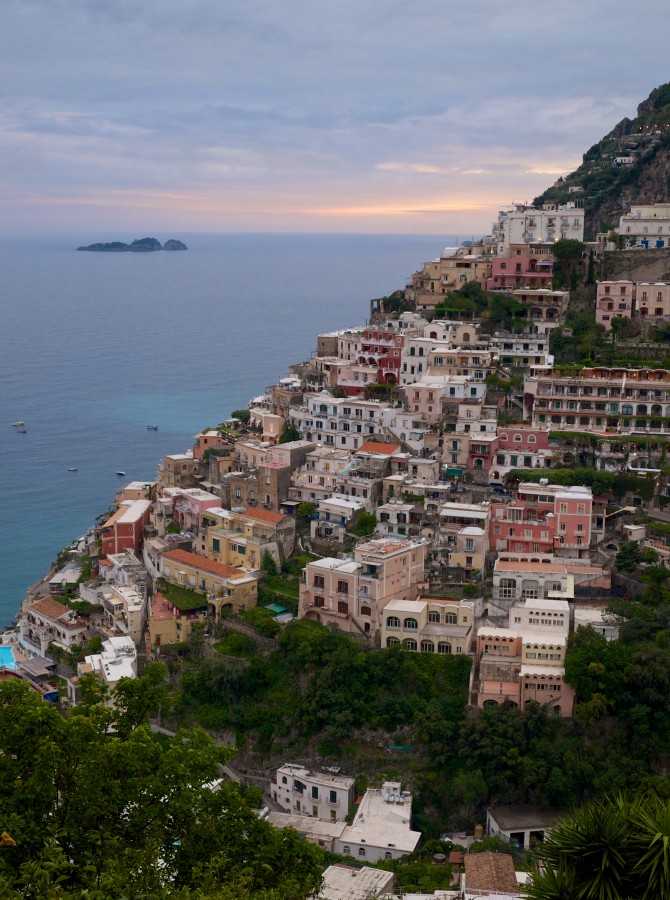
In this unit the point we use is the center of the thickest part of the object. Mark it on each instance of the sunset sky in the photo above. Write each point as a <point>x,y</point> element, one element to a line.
<point>307,115</point>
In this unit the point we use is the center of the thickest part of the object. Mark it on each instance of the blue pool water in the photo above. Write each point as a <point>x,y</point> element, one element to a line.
<point>7,658</point>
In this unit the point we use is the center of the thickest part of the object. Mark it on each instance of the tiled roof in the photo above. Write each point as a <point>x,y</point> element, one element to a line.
<point>263,515</point>
<point>50,608</point>
<point>202,563</point>
<point>382,449</point>
<point>490,872</point>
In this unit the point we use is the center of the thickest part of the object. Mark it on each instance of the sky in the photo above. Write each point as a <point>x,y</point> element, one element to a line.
<point>424,116</point>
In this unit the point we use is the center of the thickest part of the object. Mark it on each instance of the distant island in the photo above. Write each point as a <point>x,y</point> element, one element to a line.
<point>142,245</point>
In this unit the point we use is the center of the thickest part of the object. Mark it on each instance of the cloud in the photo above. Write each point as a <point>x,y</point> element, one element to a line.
<point>333,111</point>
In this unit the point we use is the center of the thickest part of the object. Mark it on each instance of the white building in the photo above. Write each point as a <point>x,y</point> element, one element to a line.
<point>647,225</point>
<point>382,826</point>
<point>521,224</point>
<point>117,660</point>
<point>323,795</point>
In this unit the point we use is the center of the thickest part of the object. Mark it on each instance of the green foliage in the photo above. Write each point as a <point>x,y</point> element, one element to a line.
<point>614,848</point>
<point>173,528</point>
<point>242,415</point>
<point>365,524</point>
<point>262,620</point>
<point>268,564</point>
<point>304,511</point>
<point>184,599</point>
<point>289,433</point>
<point>97,806</point>
<point>631,555</point>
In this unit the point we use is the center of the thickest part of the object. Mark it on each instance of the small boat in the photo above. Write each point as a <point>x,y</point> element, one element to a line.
<point>17,424</point>
<point>21,431</point>
<point>119,472</point>
<point>72,469</point>
<point>152,427</point>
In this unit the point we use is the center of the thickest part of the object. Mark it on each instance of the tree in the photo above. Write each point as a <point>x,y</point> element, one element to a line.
<point>290,433</point>
<point>94,805</point>
<point>610,849</point>
<point>243,415</point>
<point>268,564</point>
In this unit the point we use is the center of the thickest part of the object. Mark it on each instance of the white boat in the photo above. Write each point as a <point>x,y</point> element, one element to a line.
<point>72,469</point>
<point>17,424</point>
<point>152,427</point>
<point>119,472</point>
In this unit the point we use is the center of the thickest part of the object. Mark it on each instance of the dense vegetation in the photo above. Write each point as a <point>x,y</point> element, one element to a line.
<point>150,827</point>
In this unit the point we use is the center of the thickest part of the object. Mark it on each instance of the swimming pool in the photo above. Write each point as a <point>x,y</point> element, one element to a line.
<point>7,658</point>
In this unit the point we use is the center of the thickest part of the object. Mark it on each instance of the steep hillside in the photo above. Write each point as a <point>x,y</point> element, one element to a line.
<point>609,188</point>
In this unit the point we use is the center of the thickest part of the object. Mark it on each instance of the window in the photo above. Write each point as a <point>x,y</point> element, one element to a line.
<point>410,624</point>
<point>433,617</point>
<point>342,606</point>
<point>361,851</point>
<point>318,581</point>
<point>216,545</point>
<point>342,587</point>
<point>444,647</point>
<point>393,622</point>
<point>427,647</point>
<point>333,797</point>
<point>319,601</point>
<point>315,792</point>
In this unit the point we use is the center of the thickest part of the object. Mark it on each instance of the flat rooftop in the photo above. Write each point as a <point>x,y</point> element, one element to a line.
<point>523,818</point>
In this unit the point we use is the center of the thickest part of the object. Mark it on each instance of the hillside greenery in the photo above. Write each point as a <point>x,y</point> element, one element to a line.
<point>151,827</point>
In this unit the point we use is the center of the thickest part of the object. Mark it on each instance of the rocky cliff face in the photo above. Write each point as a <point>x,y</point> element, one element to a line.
<point>629,165</point>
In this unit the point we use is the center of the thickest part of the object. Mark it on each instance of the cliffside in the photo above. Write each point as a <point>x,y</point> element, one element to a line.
<point>629,165</point>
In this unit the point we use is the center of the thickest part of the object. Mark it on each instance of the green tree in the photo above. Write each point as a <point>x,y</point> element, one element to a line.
<point>268,564</point>
<point>611,849</point>
<point>95,806</point>
<point>243,415</point>
<point>290,433</point>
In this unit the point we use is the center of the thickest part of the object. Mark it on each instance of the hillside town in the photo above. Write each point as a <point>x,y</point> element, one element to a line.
<point>423,473</point>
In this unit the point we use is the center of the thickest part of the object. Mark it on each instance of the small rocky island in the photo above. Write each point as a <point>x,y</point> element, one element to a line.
<point>142,245</point>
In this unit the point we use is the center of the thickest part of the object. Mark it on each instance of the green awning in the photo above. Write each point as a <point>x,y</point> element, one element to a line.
<point>454,473</point>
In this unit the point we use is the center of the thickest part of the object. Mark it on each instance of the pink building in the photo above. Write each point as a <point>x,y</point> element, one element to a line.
<point>208,440</point>
<point>124,529</point>
<point>520,447</point>
<point>613,298</point>
<point>544,518</point>
<point>509,272</point>
<point>189,504</point>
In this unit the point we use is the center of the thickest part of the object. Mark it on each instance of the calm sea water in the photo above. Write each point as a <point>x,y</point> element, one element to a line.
<point>97,346</point>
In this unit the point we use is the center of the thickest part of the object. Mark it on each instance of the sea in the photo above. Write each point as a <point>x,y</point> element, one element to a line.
<point>96,346</point>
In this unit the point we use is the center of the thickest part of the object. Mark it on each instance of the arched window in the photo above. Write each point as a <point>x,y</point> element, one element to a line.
<point>532,439</point>
<point>411,624</point>
<point>361,851</point>
<point>503,266</point>
<point>391,642</point>
<point>346,851</point>
<point>410,645</point>
<point>433,617</point>
<point>393,622</point>
<point>427,647</point>
<point>443,647</point>
<point>388,855</point>
<point>517,438</point>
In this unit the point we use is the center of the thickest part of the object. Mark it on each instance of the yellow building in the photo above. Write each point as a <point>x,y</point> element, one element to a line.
<point>226,587</point>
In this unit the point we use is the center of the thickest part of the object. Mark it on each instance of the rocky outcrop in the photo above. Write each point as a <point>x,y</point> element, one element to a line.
<point>141,245</point>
